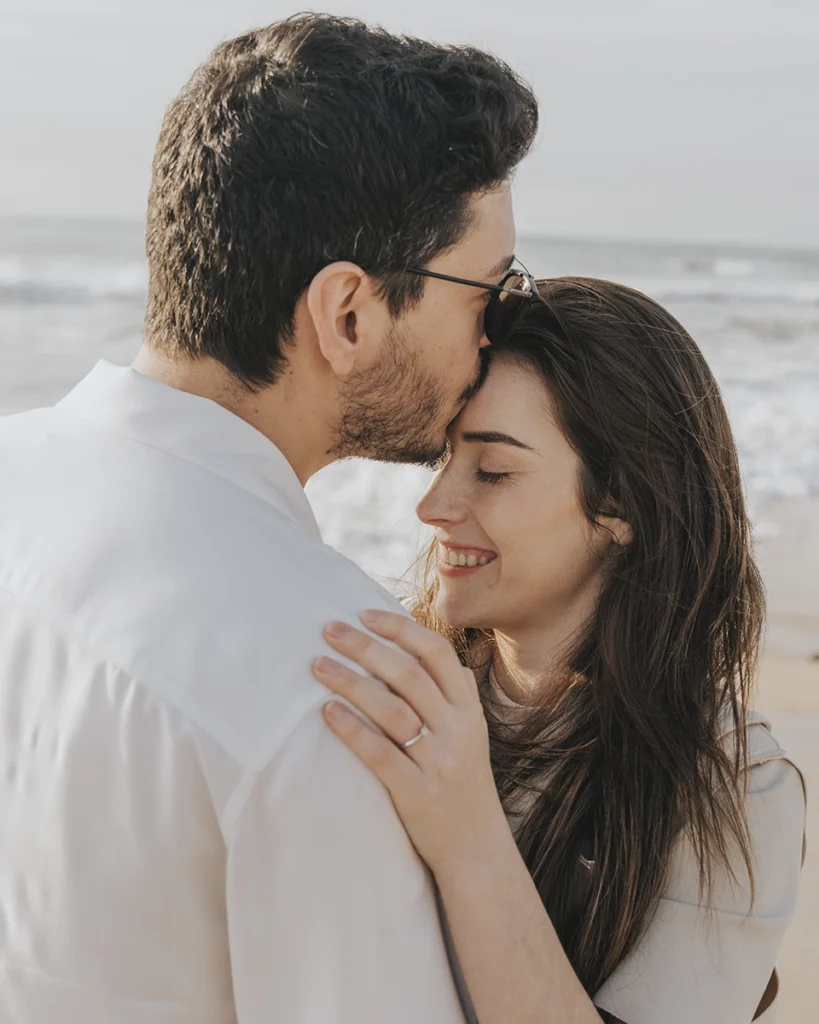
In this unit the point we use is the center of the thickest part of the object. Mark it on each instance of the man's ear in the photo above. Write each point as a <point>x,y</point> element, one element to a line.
<point>334,299</point>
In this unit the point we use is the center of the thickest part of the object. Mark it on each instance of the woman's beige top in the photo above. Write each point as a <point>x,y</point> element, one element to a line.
<point>711,963</point>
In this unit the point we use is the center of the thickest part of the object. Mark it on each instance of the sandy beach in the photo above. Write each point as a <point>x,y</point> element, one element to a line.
<point>789,694</point>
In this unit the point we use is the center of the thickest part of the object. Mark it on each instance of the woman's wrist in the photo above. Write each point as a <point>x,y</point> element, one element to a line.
<point>511,957</point>
<point>477,858</point>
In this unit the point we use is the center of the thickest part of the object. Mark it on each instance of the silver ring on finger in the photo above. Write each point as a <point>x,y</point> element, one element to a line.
<point>422,732</point>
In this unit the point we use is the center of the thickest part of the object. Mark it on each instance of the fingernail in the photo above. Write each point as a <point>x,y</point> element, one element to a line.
<point>337,630</point>
<point>326,666</point>
<point>334,711</point>
<point>372,617</point>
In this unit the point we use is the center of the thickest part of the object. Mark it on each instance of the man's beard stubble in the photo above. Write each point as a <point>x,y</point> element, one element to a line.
<point>390,412</point>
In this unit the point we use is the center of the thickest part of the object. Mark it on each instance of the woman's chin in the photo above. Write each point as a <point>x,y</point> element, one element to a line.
<point>458,614</point>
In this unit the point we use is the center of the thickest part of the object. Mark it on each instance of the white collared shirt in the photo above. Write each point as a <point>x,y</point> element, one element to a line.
<point>181,837</point>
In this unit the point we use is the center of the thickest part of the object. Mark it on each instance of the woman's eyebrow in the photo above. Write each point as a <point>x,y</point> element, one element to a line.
<point>494,437</point>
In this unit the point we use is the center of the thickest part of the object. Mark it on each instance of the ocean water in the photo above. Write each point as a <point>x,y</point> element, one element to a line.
<point>74,292</point>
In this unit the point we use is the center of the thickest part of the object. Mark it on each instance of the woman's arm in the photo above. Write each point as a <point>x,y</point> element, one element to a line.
<point>443,789</point>
<point>512,959</point>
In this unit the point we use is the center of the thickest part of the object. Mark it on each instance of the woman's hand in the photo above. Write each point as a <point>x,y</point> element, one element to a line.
<point>443,789</point>
<point>441,784</point>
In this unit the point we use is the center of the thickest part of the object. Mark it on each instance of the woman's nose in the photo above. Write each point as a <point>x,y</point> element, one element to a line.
<point>440,505</point>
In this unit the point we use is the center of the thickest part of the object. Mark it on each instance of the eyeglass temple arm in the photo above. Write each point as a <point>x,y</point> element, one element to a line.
<point>458,280</point>
<point>499,289</point>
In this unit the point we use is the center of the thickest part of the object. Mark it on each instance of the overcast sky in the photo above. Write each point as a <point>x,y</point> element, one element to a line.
<point>662,119</point>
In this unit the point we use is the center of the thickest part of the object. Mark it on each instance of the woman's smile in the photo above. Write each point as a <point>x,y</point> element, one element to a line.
<point>457,561</point>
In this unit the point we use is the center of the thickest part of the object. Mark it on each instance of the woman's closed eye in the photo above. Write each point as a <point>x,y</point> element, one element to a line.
<point>485,477</point>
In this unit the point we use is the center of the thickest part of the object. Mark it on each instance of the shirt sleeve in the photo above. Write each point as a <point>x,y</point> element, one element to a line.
<point>331,913</point>
<point>712,962</point>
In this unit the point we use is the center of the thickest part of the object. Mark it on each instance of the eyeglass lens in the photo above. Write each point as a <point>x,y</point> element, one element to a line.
<point>505,309</point>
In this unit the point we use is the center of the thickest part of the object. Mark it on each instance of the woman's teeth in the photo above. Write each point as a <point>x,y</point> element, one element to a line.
<point>460,558</point>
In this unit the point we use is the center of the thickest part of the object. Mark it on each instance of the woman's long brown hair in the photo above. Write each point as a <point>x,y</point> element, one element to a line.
<point>625,753</point>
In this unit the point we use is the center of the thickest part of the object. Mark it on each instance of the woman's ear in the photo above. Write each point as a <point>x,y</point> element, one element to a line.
<point>623,532</point>
<point>619,530</point>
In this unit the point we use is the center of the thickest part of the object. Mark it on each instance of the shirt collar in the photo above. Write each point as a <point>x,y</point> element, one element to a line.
<point>195,429</point>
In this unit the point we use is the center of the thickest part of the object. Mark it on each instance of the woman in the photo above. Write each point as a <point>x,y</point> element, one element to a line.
<point>613,834</point>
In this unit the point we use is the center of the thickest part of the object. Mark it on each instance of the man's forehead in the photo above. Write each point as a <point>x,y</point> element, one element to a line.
<point>485,250</point>
<point>491,237</point>
<point>500,268</point>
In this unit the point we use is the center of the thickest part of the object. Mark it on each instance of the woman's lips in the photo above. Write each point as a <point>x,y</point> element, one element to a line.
<point>456,560</point>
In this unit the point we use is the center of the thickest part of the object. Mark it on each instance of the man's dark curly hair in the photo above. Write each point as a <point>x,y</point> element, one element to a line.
<point>313,140</point>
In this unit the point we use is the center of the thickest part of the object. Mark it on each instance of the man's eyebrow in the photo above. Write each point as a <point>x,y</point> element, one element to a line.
<point>494,437</point>
<point>500,269</point>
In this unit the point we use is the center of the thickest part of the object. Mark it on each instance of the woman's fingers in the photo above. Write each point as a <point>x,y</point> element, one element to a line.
<point>397,772</point>
<point>434,652</point>
<point>389,711</point>
<point>401,672</point>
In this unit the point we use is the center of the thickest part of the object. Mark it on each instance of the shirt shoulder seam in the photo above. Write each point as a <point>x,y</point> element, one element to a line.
<point>236,804</point>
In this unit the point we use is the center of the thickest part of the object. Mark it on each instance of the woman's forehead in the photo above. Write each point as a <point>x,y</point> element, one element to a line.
<point>512,396</point>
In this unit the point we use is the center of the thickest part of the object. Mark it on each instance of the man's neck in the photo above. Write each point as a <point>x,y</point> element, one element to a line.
<point>285,414</point>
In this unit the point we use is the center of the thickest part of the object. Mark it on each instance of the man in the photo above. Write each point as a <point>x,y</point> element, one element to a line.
<point>183,838</point>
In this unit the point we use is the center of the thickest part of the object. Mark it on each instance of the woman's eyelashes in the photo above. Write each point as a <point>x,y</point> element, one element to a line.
<point>484,477</point>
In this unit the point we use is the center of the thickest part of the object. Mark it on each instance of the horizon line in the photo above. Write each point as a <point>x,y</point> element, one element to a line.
<point>581,237</point>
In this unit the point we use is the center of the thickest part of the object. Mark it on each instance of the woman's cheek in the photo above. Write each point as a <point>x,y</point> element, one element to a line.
<point>506,519</point>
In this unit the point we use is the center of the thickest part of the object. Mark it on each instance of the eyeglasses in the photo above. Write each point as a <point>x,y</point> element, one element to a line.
<point>509,300</point>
